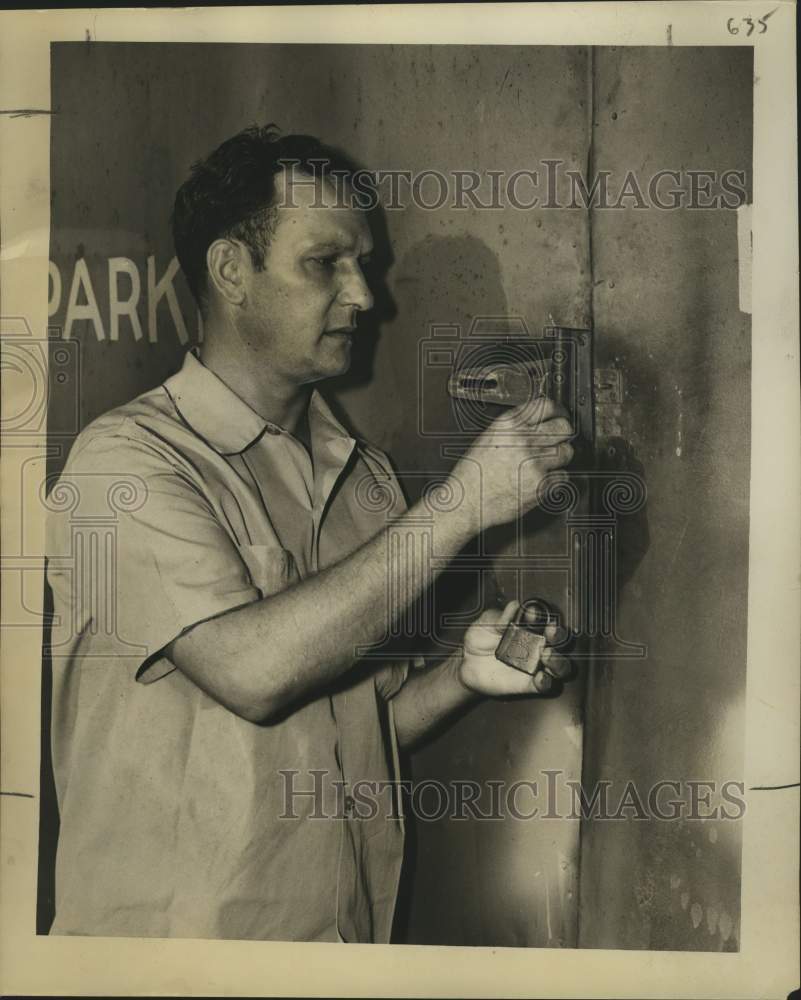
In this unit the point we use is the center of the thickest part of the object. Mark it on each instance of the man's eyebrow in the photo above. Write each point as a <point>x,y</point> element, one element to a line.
<point>329,245</point>
<point>336,246</point>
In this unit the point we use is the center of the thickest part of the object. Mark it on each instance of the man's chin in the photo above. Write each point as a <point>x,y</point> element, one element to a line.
<point>337,361</point>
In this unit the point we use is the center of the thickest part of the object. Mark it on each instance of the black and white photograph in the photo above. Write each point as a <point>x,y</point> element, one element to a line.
<point>396,551</point>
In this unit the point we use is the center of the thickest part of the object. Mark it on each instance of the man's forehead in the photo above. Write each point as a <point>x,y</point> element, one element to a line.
<point>313,211</point>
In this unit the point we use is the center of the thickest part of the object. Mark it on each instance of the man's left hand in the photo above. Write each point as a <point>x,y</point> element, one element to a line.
<point>483,673</point>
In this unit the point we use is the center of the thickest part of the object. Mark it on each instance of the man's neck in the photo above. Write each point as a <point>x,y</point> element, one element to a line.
<point>266,393</point>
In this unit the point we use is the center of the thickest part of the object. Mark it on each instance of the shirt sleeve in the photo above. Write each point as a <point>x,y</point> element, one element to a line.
<point>131,574</point>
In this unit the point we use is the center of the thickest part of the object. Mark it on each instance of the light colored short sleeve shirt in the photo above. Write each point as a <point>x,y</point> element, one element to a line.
<point>178,818</point>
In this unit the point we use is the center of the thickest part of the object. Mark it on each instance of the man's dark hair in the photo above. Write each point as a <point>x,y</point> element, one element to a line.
<point>231,194</point>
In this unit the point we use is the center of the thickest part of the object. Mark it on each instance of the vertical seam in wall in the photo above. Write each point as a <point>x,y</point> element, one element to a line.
<point>591,88</point>
<point>591,91</point>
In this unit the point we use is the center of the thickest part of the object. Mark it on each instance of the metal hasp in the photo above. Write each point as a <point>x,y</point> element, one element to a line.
<point>559,366</point>
<point>504,383</point>
<point>571,376</point>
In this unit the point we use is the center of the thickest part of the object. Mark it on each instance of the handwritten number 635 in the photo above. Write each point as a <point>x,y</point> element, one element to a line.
<point>733,26</point>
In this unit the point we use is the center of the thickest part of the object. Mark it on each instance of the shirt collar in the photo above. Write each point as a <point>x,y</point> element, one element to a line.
<point>215,413</point>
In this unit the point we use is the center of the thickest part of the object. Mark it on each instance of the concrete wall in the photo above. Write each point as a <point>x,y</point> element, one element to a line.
<point>131,120</point>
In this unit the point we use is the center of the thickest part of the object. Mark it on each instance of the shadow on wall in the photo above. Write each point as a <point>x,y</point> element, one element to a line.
<point>436,281</point>
<point>439,281</point>
<point>446,282</point>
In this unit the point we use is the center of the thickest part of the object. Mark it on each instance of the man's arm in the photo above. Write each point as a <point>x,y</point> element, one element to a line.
<point>261,659</point>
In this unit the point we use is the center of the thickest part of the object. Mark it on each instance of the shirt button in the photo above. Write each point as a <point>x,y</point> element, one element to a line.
<point>350,805</point>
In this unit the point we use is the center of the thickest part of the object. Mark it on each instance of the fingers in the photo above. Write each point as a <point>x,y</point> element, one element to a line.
<point>481,639</point>
<point>542,682</point>
<point>550,452</point>
<point>551,455</point>
<point>555,664</point>
<point>547,437</point>
<point>530,421</point>
<point>507,615</point>
<point>496,620</point>
<point>559,428</point>
<point>547,408</point>
<point>542,414</point>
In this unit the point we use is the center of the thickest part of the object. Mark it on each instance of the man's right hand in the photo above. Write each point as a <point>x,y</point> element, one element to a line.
<point>501,474</point>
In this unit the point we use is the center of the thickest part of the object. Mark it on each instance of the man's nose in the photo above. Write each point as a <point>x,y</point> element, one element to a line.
<point>355,291</point>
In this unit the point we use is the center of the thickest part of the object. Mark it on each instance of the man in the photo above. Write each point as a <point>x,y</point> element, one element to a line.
<point>210,732</point>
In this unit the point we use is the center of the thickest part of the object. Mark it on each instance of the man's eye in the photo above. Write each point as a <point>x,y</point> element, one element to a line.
<point>324,261</point>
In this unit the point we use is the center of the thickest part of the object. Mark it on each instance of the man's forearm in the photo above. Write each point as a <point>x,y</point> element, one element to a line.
<point>429,697</point>
<point>290,645</point>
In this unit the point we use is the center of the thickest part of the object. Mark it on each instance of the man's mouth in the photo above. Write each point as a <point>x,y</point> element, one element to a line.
<point>341,331</point>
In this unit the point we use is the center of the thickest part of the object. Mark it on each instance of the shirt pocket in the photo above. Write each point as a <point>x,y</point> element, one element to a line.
<point>271,568</point>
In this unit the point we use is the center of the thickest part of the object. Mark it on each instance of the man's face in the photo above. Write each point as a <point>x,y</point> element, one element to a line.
<point>300,311</point>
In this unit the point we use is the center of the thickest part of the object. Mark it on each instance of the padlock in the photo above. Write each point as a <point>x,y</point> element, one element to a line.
<point>524,637</point>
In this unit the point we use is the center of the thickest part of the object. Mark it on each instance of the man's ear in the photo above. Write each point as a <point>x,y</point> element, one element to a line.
<point>224,260</point>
